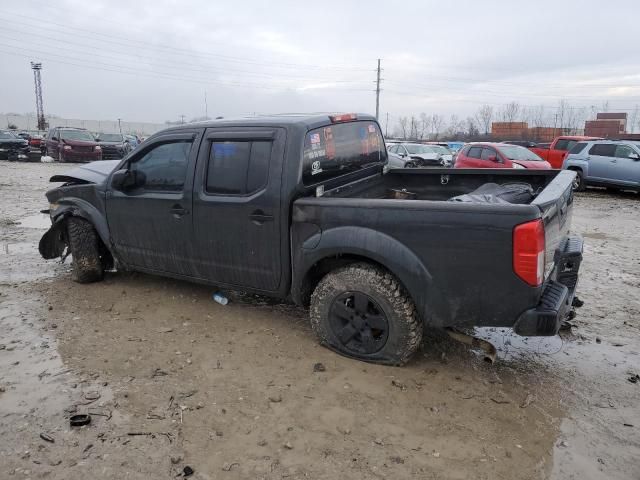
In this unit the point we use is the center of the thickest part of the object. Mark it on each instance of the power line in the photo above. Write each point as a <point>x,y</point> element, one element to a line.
<point>129,42</point>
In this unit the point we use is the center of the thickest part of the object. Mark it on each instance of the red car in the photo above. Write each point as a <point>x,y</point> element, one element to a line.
<point>498,155</point>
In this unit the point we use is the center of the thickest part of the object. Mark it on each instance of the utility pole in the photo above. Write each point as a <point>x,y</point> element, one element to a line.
<point>206,113</point>
<point>378,90</point>
<point>119,126</point>
<point>36,67</point>
<point>182,119</point>
<point>386,127</point>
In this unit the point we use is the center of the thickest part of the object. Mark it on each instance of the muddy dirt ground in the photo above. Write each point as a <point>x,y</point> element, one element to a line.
<point>173,379</point>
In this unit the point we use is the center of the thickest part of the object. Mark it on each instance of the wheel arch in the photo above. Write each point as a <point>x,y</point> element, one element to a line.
<point>346,245</point>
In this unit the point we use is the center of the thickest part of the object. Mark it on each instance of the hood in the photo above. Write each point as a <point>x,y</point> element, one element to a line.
<point>94,172</point>
<point>534,165</point>
<point>424,156</point>
<point>13,141</point>
<point>79,143</point>
<point>103,142</point>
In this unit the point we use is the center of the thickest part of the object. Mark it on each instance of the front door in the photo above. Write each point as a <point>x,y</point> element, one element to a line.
<point>236,207</point>
<point>626,167</point>
<point>151,223</point>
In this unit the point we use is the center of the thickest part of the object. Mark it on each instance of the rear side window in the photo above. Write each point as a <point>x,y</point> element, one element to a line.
<point>564,144</point>
<point>623,151</point>
<point>341,148</point>
<point>474,152</point>
<point>238,167</point>
<point>578,148</point>
<point>603,150</point>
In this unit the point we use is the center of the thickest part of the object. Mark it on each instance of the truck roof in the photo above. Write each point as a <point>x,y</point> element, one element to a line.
<point>305,120</point>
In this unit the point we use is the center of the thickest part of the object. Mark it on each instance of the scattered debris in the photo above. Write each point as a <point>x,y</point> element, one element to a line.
<point>319,367</point>
<point>165,330</point>
<point>489,350</point>
<point>436,454</point>
<point>344,430</point>
<point>634,378</point>
<point>563,444</point>
<point>499,401</point>
<point>80,420</point>
<point>188,393</point>
<point>158,372</point>
<point>92,396</point>
<point>187,471</point>
<point>527,401</point>
<point>220,298</point>
<point>598,340</point>
<point>288,446</point>
<point>176,459</point>
<point>262,443</point>
<point>47,438</point>
<point>228,466</point>
<point>627,424</point>
<point>399,385</point>
<point>396,459</point>
<point>277,399</point>
<point>378,441</point>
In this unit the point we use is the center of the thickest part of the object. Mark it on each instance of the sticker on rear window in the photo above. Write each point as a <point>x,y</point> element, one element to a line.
<point>316,168</point>
<point>314,138</point>
<point>372,129</point>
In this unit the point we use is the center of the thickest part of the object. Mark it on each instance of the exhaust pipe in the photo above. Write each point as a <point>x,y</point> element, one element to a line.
<point>475,342</point>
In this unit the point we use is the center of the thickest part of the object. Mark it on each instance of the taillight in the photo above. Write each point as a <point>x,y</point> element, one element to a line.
<point>345,117</point>
<point>528,252</point>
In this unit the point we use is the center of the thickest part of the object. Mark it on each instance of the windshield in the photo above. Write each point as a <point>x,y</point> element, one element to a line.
<point>514,152</point>
<point>7,136</point>
<point>418,149</point>
<point>110,137</point>
<point>82,135</point>
<point>441,149</point>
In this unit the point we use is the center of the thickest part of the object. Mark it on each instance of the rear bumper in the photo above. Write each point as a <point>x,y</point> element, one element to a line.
<point>555,303</point>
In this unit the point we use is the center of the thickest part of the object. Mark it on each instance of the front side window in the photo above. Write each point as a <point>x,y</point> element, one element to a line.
<point>488,153</point>
<point>341,148</point>
<point>623,151</point>
<point>164,167</point>
<point>577,148</point>
<point>238,167</point>
<point>603,150</point>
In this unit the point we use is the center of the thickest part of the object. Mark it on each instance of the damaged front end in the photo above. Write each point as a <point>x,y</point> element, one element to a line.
<point>54,241</point>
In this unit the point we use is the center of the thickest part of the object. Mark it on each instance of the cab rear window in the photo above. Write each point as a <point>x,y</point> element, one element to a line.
<point>341,148</point>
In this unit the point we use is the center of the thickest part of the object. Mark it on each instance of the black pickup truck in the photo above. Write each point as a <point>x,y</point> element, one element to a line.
<point>303,207</point>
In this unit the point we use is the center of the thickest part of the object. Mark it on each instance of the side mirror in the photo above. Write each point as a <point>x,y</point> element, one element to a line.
<point>634,156</point>
<point>126,179</point>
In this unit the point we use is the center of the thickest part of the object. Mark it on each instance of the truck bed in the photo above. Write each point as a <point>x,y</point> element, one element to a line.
<point>462,253</point>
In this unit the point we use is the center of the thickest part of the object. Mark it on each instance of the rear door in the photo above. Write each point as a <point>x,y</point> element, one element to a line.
<point>601,161</point>
<point>236,207</point>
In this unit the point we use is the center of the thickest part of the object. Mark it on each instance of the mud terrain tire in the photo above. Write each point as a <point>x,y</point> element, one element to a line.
<point>363,312</point>
<point>85,249</point>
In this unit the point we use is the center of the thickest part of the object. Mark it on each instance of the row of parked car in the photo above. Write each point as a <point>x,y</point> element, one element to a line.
<point>614,164</point>
<point>66,144</point>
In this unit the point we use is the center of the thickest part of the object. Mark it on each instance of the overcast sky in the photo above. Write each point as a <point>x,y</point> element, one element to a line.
<point>153,60</point>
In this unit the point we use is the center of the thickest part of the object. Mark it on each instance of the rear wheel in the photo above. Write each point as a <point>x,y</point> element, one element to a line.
<point>85,249</point>
<point>362,311</point>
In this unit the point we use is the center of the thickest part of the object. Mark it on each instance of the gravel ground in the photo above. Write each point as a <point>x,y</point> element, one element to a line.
<point>173,379</point>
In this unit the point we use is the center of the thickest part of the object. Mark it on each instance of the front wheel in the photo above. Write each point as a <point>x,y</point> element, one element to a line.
<point>85,250</point>
<point>362,311</point>
<point>578,182</point>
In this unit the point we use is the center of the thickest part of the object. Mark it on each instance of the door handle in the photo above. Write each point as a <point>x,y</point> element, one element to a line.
<point>259,217</point>
<point>614,161</point>
<point>178,211</point>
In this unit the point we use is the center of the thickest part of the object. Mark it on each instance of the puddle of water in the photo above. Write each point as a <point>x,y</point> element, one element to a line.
<point>40,220</point>
<point>17,248</point>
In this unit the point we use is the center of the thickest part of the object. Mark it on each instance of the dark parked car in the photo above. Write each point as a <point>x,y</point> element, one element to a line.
<point>12,147</point>
<point>301,207</point>
<point>67,144</point>
<point>114,145</point>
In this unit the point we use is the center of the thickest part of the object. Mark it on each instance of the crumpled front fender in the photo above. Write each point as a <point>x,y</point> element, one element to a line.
<point>54,241</point>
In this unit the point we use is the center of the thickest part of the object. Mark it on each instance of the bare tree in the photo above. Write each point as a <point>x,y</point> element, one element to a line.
<point>437,122</point>
<point>472,127</point>
<point>484,116</point>
<point>633,119</point>
<point>413,128</point>
<point>510,112</point>
<point>404,124</point>
<point>537,116</point>
<point>425,123</point>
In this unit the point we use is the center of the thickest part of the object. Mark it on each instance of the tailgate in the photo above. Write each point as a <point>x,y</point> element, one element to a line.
<point>556,204</point>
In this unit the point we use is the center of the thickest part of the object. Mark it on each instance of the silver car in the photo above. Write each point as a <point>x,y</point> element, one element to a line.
<point>614,164</point>
<point>420,155</point>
